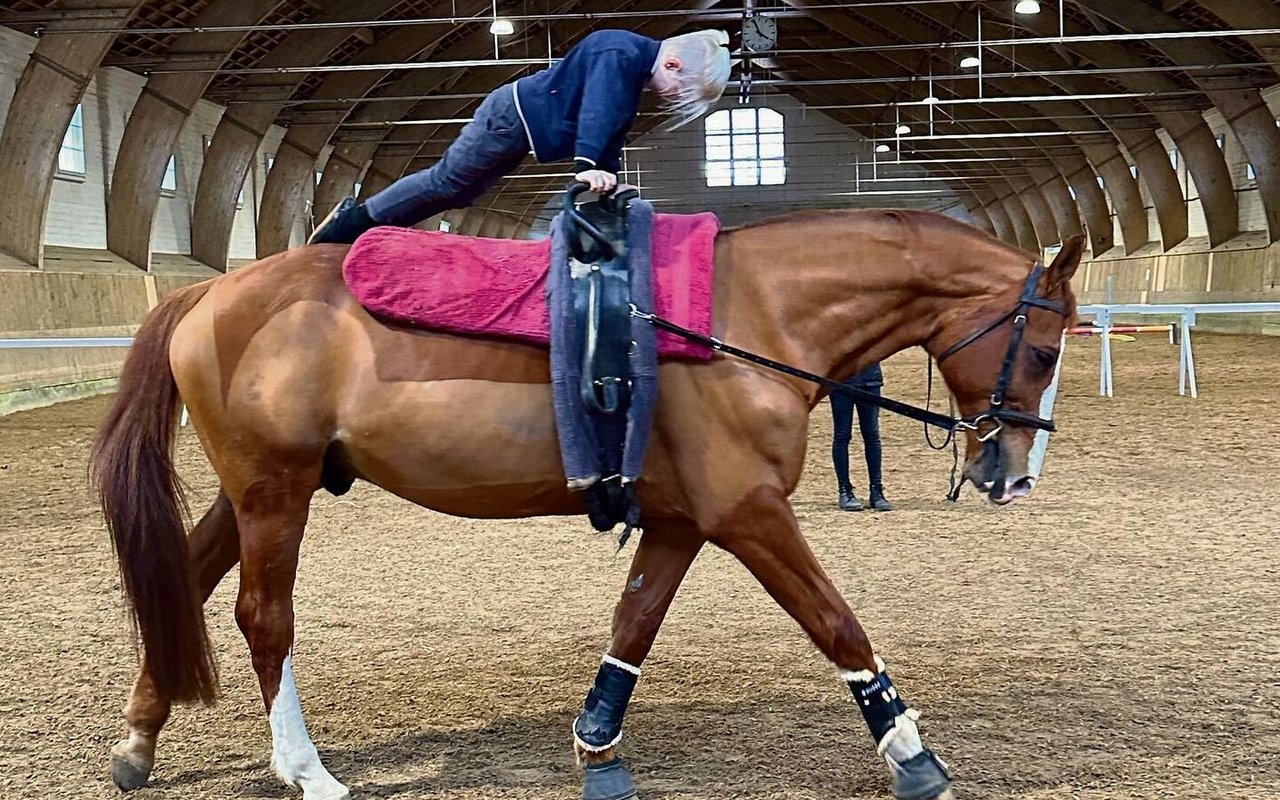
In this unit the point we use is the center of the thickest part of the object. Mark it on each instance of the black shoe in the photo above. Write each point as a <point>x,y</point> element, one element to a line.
<point>877,500</point>
<point>848,500</point>
<point>344,224</point>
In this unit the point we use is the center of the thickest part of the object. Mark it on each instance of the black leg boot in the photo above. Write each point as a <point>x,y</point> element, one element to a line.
<point>876,500</point>
<point>848,500</point>
<point>344,224</point>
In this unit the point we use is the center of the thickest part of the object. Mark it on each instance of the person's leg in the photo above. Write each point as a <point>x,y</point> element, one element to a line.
<point>869,427</point>
<point>842,417</point>
<point>488,148</point>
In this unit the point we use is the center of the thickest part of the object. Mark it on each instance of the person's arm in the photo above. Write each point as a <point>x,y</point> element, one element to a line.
<point>604,113</point>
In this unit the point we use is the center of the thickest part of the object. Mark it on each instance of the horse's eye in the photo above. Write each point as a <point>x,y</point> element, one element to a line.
<point>1045,358</point>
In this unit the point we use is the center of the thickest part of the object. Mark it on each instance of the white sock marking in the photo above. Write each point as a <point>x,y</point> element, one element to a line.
<point>293,754</point>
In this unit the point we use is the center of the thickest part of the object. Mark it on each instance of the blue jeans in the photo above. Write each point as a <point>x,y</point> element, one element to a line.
<point>842,408</point>
<point>489,147</point>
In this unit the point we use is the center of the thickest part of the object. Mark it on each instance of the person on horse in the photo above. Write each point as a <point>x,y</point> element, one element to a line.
<point>581,107</point>
<point>871,380</point>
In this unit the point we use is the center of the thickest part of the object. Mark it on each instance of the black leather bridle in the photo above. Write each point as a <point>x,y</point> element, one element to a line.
<point>996,411</point>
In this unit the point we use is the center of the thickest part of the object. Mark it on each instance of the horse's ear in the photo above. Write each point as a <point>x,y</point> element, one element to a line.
<point>1064,265</point>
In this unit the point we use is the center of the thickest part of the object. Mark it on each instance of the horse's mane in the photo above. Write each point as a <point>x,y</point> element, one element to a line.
<point>910,219</point>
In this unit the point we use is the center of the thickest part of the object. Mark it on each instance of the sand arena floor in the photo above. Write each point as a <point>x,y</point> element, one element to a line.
<point>1116,637</point>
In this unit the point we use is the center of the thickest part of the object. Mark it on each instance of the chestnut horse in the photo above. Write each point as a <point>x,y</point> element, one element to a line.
<point>292,386</point>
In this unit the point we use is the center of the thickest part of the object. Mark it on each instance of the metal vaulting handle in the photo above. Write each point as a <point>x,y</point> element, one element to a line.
<point>606,397</point>
<point>576,225</point>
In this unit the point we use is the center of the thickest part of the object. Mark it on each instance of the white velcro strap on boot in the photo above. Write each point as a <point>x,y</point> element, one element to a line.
<point>902,742</point>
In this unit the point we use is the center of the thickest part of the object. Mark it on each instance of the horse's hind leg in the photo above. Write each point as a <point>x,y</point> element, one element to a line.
<point>765,537</point>
<point>272,516</point>
<point>215,548</point>
<point>662,559</point>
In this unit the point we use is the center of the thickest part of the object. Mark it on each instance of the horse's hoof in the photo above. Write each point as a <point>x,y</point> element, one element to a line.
<point>922,777</point>
<point>608,781</point>
<point>128,774</point>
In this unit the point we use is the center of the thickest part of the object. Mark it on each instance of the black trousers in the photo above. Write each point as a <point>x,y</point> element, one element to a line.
<point>842,408</point>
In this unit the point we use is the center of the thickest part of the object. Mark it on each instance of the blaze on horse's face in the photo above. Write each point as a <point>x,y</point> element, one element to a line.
<point>972,374</point>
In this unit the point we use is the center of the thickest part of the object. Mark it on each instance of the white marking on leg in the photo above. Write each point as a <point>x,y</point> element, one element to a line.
<point>293,754</point>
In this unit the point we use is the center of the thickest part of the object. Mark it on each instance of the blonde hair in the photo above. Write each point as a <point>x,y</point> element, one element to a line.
<point>704,71</point>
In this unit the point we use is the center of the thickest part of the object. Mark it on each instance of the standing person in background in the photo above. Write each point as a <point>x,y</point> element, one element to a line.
<point>870,379</point>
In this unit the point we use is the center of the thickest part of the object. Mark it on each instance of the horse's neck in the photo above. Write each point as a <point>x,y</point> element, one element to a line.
<point>832,301</point>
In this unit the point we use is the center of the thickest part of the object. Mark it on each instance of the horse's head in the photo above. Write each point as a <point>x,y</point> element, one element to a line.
<point>998,359</point>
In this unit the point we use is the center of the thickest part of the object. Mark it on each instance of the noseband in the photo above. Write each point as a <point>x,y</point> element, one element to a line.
<point>997,412</point>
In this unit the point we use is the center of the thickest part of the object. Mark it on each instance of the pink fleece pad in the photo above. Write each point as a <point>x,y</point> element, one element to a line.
<point>497,287</point>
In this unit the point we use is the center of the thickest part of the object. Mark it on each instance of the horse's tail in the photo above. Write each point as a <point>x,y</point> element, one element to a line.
<point>141,495</point>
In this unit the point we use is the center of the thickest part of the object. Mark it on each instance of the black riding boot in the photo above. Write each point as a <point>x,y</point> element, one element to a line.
<point>344,224</point>
<point>876,500</point>
<point>848,500</point>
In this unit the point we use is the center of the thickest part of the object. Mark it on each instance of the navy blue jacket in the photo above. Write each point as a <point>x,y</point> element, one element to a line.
<point>584,105</point>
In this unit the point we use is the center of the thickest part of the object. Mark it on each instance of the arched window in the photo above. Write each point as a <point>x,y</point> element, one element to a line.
<point>745,148</point>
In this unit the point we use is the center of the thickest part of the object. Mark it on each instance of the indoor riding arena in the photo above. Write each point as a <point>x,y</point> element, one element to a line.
<point>1116,634</point>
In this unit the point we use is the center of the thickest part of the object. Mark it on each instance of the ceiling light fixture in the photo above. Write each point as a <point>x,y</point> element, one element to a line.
<point>970,62</point>
<point>902,130</point>
<point>1027,7</point>
<point>502,27</point>
<point>882,148</point>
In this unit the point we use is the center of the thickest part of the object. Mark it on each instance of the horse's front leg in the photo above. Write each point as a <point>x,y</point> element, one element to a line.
<point>661,561</point>
<point>764,535</point>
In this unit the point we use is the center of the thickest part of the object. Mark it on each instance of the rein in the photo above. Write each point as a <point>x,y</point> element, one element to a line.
<point>948,424</point>
<point>995,412</point>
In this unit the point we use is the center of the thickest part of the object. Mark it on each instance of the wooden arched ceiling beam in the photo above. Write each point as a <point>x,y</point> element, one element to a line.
<point>353,149</point>
<point>1236,96</point>
<point>243,127</point>
<point>980,216</point>
<point>285,190</point>
<point>1101,151</point>
<point>870,65</point>
<point>859,120</point>
<point>1181,119</point>
<point>53,81</point>
<point>157,117</point>
<point>865,31</point>
<point>810,95</point>
<point>1136,134</point>
<point>1135,130</point>
<point>1037,206</point>
<point>1050,185</point>
<point>1255,16</point>
<point>998,215</point>
<point>349,158</point>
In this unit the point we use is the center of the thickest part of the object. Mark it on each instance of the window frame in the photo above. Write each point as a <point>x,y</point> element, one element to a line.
<point>742,148</point>
<point>168,187</point>
<point>75,129</point>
